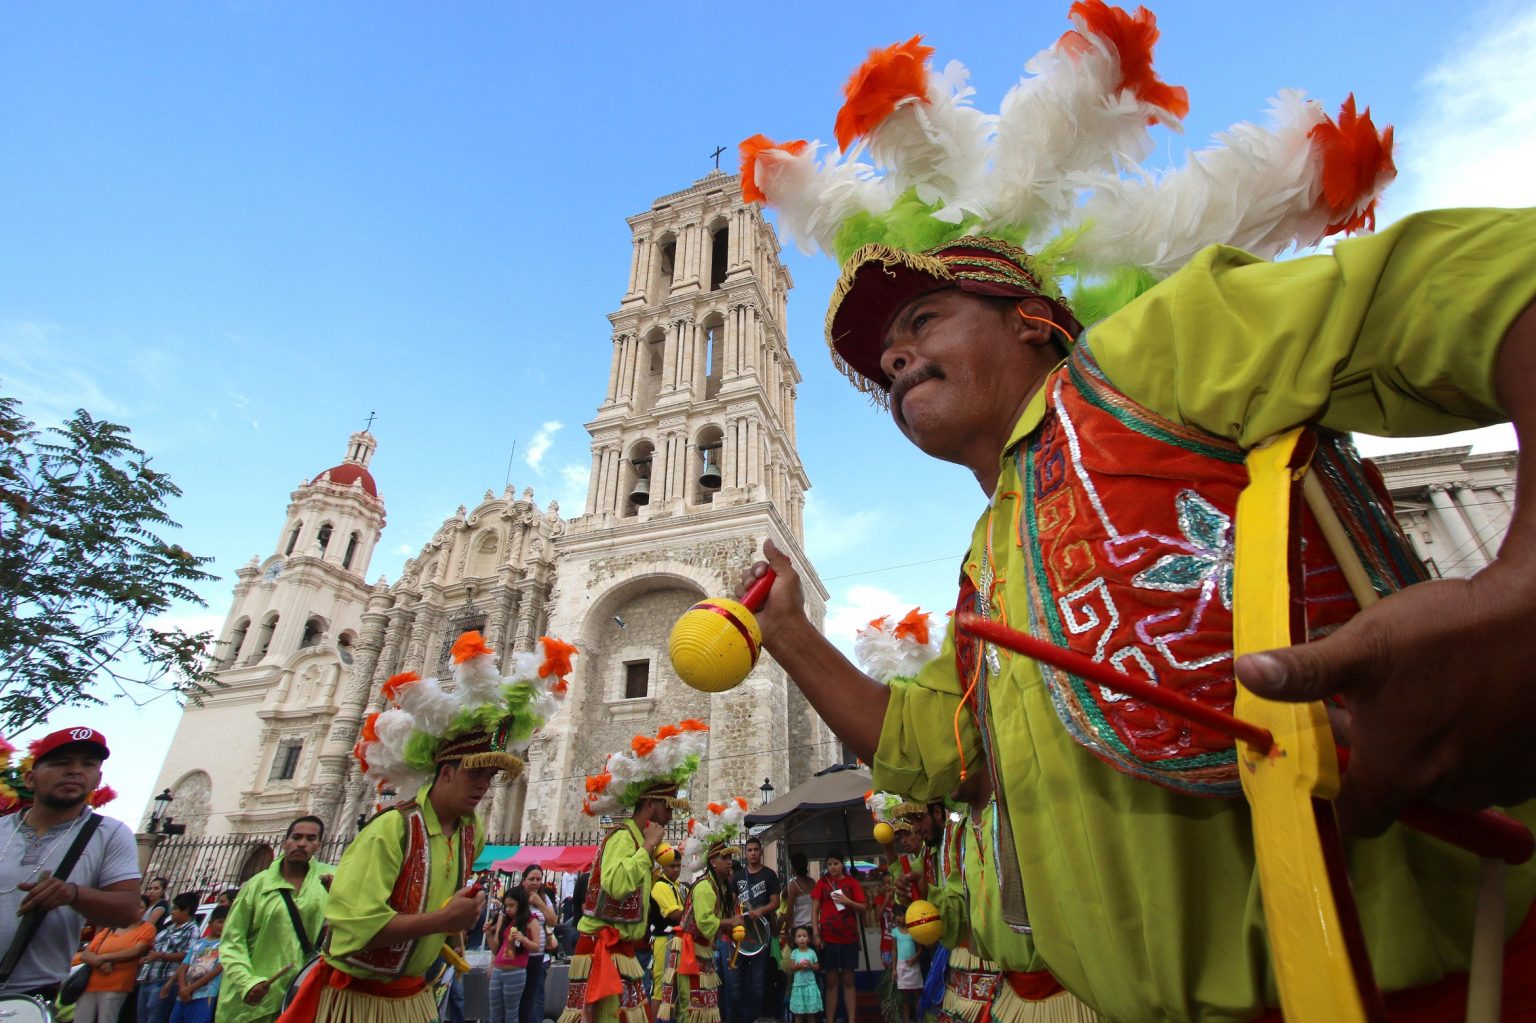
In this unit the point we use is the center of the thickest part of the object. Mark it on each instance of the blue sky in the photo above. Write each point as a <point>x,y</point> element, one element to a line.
<point>240,227</point>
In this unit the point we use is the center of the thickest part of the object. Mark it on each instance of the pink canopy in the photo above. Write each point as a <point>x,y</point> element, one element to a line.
<point>566,858</point>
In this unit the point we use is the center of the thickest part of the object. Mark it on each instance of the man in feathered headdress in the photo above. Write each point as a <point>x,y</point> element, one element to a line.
<point>644,782</point>
<point>1112,459</point>
<point>400,891</point>
<point>690,979</point>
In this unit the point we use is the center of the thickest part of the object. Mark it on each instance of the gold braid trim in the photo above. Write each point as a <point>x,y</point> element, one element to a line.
<point>343,1005</point>
<point>513,766</point>
<point>580,968</point>
<point>1062,1007</point>
<point>886,257</point>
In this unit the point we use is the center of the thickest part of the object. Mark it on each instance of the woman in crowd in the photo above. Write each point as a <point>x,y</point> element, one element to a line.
<point>113,955</point>
<point>159,911</point>
<point>510,935</point>
<point>541,928</point>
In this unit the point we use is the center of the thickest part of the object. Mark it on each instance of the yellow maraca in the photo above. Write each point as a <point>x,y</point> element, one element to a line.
<point>884,833</point>
<point>716,641</point>
<point>923,922</point>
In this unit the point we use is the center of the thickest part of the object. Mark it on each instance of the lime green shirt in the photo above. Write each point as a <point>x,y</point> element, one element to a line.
<point>706,908</point>
<point>625,868</point>
<point>259,940</point>
<point>1144,902</point>
<point>365,877</point>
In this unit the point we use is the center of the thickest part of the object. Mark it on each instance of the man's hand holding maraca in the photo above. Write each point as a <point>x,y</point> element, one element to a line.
<point>846,698</point>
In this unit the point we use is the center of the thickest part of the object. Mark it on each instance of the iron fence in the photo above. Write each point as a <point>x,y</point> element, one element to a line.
<point>210,864</point>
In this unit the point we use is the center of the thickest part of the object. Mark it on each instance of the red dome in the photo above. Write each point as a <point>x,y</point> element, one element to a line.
<point>347,473</point>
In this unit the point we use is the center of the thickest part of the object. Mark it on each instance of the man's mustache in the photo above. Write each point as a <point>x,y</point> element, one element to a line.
<point>899,389</point>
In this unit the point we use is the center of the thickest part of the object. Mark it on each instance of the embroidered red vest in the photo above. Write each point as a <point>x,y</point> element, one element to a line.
<point>602,906</point>
<point>725,905</point>
<point>1126,528</point>
<point>410,891</point>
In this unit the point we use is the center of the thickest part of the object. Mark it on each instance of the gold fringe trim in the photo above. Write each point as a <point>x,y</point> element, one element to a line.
<point>580,968</point>
<point>343,1005</point>
<point>636,1014</point>
<point>513,766</point>
<point>965,959</point>
<point>629,967</point>
<point>887,257</point>
<point>1062,1007</point>
<point>570,1015</point>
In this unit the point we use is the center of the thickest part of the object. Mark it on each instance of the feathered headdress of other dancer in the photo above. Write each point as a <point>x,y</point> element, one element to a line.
<point>720,827</point>
<point>1058,171</point>
<point>889,808</point>
<point>890,647</point>
<point>658,767</point>
<point>482,720</point>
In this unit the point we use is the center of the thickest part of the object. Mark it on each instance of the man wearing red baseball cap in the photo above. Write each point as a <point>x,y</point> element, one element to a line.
<point>41,914</point>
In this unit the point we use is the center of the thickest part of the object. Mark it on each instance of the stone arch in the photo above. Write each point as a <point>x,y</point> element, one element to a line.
<point>193,801</point>
<point>483,555</point>
<point>719,233</point>
<point>258,858</point>
<point>664,262</point>
<point>711,354</point>
<point>651,358</point>
<point>235,641</point>
<point>638,464</point>
<point>709,443</point>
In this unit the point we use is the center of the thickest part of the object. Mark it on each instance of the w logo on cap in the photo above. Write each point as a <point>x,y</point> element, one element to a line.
<point>82,734</point>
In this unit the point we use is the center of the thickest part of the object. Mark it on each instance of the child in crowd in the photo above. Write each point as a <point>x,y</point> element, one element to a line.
<point>197,979</point>
<point>909,971</point>
<point>801,964</point>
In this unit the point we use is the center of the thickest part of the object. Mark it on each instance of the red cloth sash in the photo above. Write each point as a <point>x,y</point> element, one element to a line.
<point>603,980</point>
<point>687,961</point>
<point>1032,987</point>
<point>306,1002</point>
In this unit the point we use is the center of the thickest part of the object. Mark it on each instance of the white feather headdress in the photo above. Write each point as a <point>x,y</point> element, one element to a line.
<point>721,824</point>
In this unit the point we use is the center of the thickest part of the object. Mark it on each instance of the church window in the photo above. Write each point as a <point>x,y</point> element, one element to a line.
<point>637,679</point>
<point>293,538</point>
<point>325,536</point>
<point>344,647</point>
<point>236,641</point>
<point>314,629</point>
<point>285,762</point>
<point>346,560</point>
<point>264,637</point>
<point>714,352</point>
<point>666,254</point>
<point>719,246</point>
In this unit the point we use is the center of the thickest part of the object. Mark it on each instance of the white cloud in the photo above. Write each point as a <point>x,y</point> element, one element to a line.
<point>1472,141</point>
<point>830,531</point>
<point>539,446</point>
<point>859,605</point>
<point>572,494</point>
<point>405,549</point>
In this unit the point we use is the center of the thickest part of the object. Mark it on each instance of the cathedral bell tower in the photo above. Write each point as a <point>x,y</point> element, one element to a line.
<point>694,464</point>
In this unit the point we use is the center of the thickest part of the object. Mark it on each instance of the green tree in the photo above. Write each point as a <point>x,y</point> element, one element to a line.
<point>83,571</point>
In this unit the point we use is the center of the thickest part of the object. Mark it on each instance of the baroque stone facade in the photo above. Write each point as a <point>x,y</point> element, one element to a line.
<point>694,464</point>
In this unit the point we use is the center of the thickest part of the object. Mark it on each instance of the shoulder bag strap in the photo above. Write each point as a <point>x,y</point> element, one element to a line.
<point>27,930</point>
<point>305,945</point>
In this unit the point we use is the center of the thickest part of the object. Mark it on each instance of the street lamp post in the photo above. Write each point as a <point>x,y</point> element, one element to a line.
<point>158,816</point>
<point>766,788</point>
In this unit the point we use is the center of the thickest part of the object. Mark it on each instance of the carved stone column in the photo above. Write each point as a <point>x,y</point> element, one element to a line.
<point>337,748</point>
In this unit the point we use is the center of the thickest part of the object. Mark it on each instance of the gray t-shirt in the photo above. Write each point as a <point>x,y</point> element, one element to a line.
<point>108,858</point>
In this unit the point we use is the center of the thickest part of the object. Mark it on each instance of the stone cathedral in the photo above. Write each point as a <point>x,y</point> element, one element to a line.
<point>694,463</point>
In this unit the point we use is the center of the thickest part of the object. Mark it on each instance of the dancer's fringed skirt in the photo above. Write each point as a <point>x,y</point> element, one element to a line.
<point>628,1006</point>
<point>695,995</point>
<point>976,991</point>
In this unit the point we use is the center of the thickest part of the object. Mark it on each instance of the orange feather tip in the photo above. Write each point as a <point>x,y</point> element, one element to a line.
<point>557,657</point>
<point>741,803</point>
<point>751,150</point>
<point>692,725</point>
<point>391,690</point>
<point>913,626</point>
<point>1132,37</point>
<point>885,81</point>
<point>1357,161</point>
<point>642,745</point>
<point>667,732</point>
<point>470,644</point>
<point>717,808</point>
<point>370,731</point>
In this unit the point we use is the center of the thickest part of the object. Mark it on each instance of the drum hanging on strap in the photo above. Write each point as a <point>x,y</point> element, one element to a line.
<point>757,937</point>
<point>298,978</point>
<point>24,1009</point>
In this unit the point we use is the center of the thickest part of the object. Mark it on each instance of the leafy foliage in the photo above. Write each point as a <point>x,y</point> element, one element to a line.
<point>83,571</point>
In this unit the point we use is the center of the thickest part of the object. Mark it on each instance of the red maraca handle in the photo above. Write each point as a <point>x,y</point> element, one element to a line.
<point>757,593</point>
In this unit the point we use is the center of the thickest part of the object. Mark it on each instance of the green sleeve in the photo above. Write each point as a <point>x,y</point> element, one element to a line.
<point>917,755</point>
<point>235,945</point>
<point>358,907</point>
<point>1396,333</point>
<point>706,908</point>
<point>626,865</point>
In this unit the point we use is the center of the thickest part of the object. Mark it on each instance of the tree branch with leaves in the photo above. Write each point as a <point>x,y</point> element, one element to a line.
<point>84,572</point>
